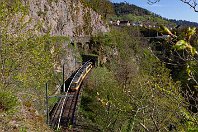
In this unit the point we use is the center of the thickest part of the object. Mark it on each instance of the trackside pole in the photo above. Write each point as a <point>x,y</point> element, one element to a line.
<point>46,97</point>
<point>63,77</point>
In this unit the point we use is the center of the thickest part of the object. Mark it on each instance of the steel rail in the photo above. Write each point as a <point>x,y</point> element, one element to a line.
<point>61,112</point>
<point>53,119</point>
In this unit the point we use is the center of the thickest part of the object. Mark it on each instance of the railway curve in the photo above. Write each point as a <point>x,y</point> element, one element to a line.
<point>63,114</point>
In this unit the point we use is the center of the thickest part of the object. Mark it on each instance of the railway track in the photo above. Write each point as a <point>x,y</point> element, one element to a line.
<point>68,117</point>
<point>63,113</point>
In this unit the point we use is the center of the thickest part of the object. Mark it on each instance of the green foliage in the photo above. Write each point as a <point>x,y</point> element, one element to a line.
<point>53,101</point>
<point>180,45</point>
<point>190,32</point>
<point>8,101</point>
<point>103,7</point>
<point>126,8</point>
<point>150,97</point>
<point>38,68</point>
<point>27,59</point>
<point>179,53</point>
<point>23,129</point>
<point>117,40</point>
<point>102,104</point>
<point>135,92</point>
<point>132,13</point>
<point>165,30</point>
<point>193,130</point>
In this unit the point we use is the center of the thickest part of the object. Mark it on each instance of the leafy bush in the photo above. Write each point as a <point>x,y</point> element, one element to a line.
<point>7,101</point>
<point>135,91</point>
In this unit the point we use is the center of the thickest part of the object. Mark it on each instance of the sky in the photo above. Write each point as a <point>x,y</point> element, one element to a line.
<point>172,9</point>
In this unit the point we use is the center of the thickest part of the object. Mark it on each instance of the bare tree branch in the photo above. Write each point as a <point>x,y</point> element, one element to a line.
<point>144,127</point>
<point>191,3</point>
<point>150,2</point>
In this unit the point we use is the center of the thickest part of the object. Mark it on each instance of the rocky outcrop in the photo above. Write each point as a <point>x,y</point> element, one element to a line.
<point>65,17</point>
<point>68,18</point>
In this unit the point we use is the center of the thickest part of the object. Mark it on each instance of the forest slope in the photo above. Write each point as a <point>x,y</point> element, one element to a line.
<point>130,12</point>
<point>35,43</point>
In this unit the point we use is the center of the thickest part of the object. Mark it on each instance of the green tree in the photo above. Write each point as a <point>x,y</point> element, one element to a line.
<point>103,7</point>
<point>179,54</point>
<point>134,90</point>
<point>27,59</point>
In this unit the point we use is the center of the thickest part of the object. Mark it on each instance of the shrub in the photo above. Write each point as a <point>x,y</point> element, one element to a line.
<point>7,101</point>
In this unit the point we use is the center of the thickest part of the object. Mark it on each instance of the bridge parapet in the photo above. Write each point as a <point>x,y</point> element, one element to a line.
<point>83,39</point>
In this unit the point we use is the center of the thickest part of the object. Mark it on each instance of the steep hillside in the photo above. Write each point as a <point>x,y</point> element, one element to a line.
<point>70,18</point>
<point>133,13</point>
<point>142,82</point>
<point>35,43</point>
<point>130,12</point>
<point>125,8</point>
<point>185,23</point>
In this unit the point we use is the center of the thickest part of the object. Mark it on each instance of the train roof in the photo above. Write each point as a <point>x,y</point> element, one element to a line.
<point>78,74</point>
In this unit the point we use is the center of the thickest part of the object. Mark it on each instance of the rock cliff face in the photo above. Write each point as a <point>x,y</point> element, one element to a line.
<point>65,17</point>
